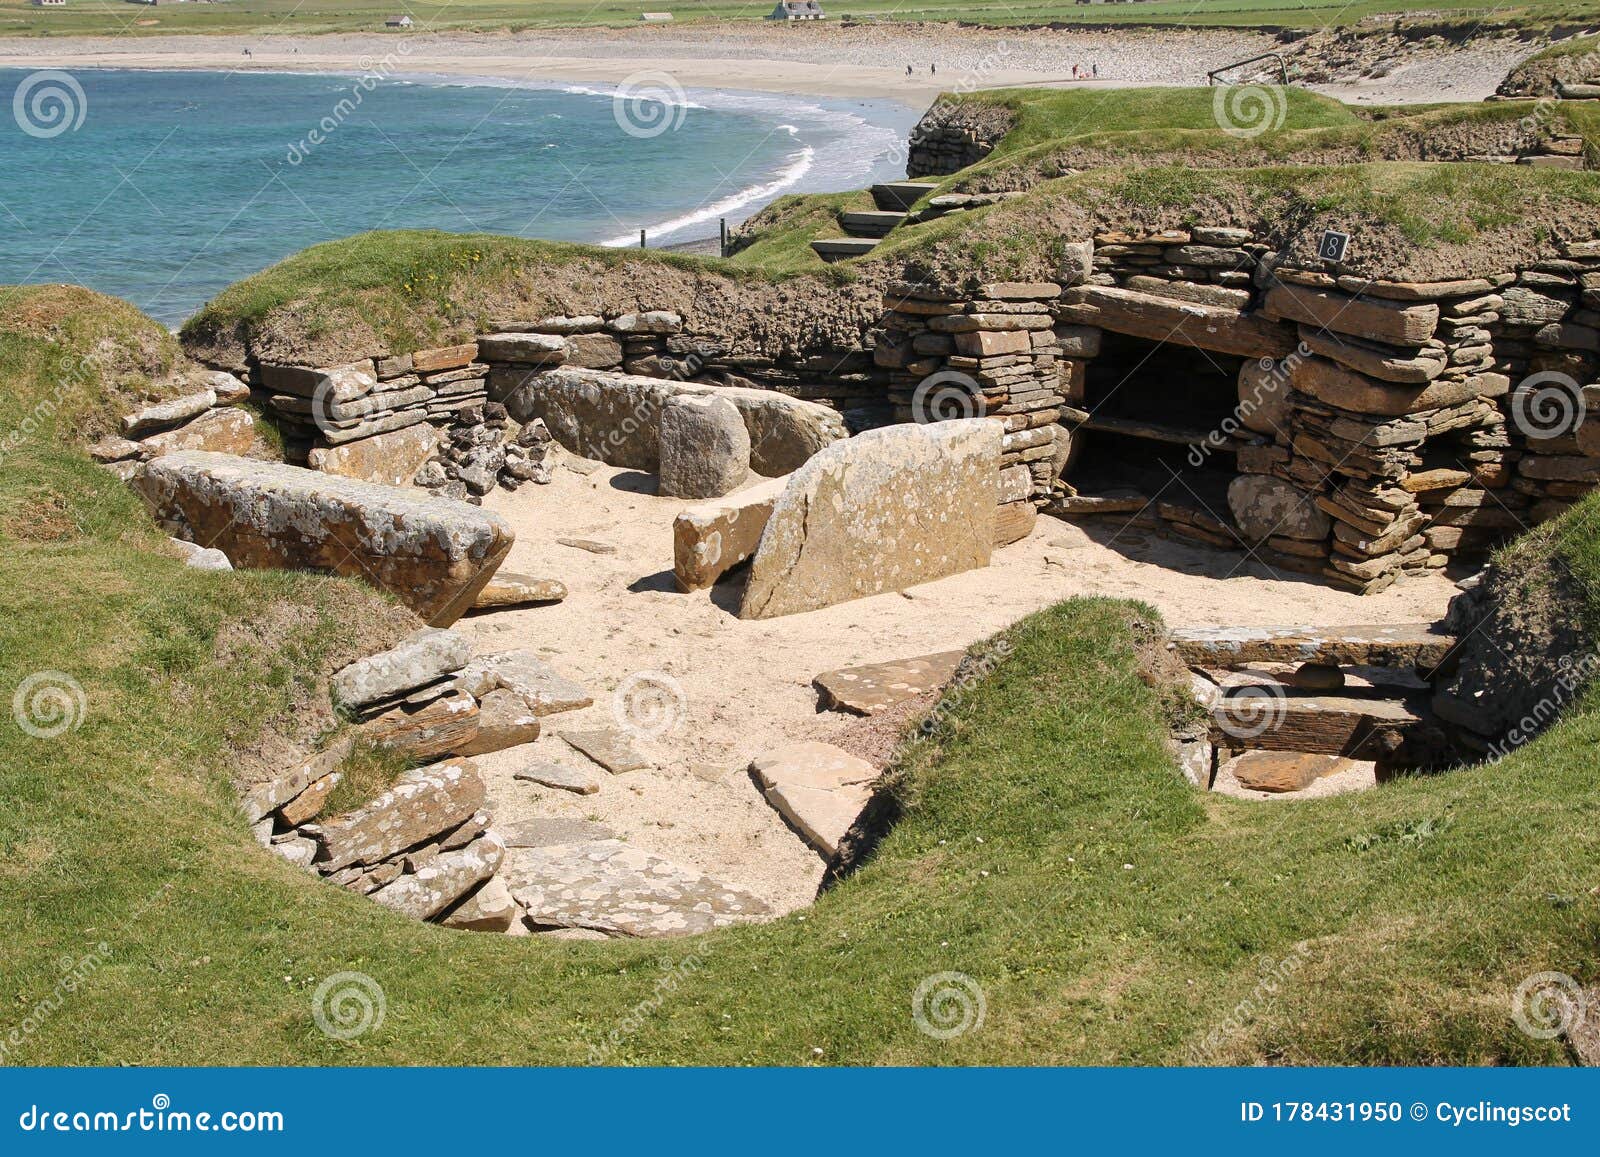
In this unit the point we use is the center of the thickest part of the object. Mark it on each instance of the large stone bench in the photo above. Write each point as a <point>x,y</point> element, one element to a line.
<point>616,417</point>
<point>433,554</point>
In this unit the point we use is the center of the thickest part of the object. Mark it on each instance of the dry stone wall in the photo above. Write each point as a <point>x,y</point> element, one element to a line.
<point>1373,428</point>
<point>1378,427</point>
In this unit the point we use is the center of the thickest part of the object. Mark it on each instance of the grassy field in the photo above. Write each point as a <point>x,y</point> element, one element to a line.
<point>308,17</point>
<point>1048,851</point>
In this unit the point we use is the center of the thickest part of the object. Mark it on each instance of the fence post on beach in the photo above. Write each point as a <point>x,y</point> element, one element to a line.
<point>641,240</point>
<point>722,237</point>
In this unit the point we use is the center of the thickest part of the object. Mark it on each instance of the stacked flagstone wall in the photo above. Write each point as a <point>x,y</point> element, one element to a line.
<point>437,415</point>
<point>1379,427</point>
<point>1376,432</point>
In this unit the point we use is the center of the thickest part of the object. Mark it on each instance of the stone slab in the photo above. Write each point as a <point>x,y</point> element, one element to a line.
<point>1387,645</point>
<point>616,418</point>
<point>422,804</point>
<point>1284,771</point>
<point>392,459</point>
<point>504,720</point>
<point>885,510</point>
<point>710,539</point>
<point>489,909</point>
<point>530,678</point>
<point>223,431</point>
<point>445,879</point>
<point>875,687</point>
<point>510,589</point>
<point>620,890</point>
<point>608,747</point>
<point>1162,319</point>
<point>558,775</point>
<point>416,661</point>
<point>165,415</point>
<point>433,554</point>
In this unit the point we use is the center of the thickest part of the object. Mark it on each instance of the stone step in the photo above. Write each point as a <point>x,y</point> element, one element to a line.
<point>868,223</point>
<point>840,248</point>
<point>899,196</point>
<point>1395,645</point>
<point>1272,717</point>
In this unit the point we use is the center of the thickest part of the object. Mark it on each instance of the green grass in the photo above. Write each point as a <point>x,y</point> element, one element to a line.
<point>781,234</point>
<point>1068,132</point>
<point>1048,850</point>
<point>1053,115</point>
<point>307,17</point>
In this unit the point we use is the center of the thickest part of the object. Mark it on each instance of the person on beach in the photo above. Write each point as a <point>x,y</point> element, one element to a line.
<point>1096,68</point>
<point>933,70</point>
<point>908,72</point>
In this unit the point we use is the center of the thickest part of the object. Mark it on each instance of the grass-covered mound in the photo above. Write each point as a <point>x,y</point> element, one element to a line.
<point>1406,221</point>
<point>1060,133</point>
<point>1048,850</point>
<point>411,289</point>
<point>1571,61</point>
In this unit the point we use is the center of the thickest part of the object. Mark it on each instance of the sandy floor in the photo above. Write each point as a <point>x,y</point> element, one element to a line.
<point>830,60</point>
<point>733,689</point>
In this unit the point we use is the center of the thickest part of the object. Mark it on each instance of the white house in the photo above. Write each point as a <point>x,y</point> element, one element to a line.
<point>397,22</point>
<point>49,3</point>
<point>798,10</point>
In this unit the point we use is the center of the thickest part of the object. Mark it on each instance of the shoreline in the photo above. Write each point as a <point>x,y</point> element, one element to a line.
<point>833,61</point>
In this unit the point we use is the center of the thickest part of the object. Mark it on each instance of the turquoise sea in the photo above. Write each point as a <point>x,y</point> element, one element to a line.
<point>164,187</point>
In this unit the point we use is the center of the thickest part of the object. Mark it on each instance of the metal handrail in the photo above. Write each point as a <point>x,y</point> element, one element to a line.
<point>1283,66</point>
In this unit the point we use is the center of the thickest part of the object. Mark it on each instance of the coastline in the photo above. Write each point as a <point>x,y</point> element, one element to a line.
<point>834,61</point>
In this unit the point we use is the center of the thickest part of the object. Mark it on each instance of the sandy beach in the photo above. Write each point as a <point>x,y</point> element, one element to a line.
<point>828,61</point>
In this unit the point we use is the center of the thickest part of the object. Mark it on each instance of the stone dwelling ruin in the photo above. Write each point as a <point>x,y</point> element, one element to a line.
<point>1275,374</point>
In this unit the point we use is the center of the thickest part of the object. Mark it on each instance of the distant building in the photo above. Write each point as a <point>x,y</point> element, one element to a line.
<point>656,17</point>
<point>397,22</point>
<point>49,3</point>
<point>798,10</point>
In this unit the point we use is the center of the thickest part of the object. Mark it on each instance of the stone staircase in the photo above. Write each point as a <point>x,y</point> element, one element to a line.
<point>1360,693</point>
<point>865,228</point>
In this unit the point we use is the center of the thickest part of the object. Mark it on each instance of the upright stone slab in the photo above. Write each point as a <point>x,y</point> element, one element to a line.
<point>433,554</point>
<point>616,418</point>
<point>705,448</point>
<point>392,459</point>
<point>711,539</point>
<point>879,512</point>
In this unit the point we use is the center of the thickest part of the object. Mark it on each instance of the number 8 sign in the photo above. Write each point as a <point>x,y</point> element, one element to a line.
<point>1333,246</point>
